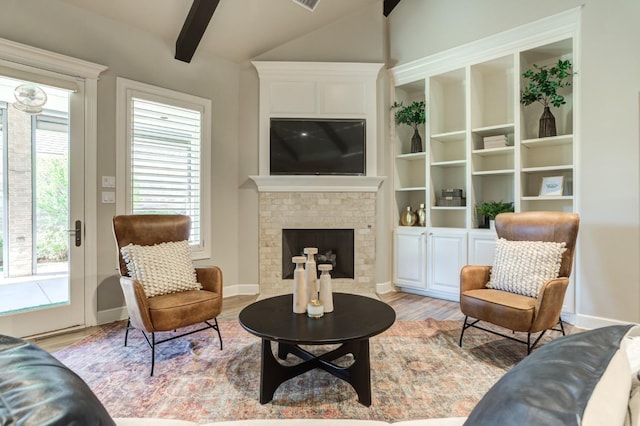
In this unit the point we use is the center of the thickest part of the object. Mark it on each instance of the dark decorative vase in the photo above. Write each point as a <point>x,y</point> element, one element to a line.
<point>547,124</point>
<point>416,141</point>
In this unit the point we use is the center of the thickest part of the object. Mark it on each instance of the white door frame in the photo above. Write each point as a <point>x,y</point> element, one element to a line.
<point>23,55</point>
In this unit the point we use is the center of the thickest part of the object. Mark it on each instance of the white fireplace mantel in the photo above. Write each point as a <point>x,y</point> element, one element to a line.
<point>318,183</point>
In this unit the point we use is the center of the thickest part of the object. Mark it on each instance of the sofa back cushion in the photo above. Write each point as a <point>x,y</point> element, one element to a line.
<point>582,379</point>
<point>37,389</point>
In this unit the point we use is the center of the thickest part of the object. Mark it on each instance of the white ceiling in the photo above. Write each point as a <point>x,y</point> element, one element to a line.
<point>239,29</point>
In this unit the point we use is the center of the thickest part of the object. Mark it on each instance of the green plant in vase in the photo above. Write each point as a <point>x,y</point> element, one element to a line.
<point>491,209</point>
<point>543,86</point>
<point>412,115</point>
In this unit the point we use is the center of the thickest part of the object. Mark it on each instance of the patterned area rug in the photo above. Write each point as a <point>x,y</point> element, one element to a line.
<point>417,371</point>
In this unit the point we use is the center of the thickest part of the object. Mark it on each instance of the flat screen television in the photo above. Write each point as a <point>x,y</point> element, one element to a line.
<point>302,146</point>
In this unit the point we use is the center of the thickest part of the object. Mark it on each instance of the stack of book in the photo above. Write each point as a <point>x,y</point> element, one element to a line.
<point>498,141</point>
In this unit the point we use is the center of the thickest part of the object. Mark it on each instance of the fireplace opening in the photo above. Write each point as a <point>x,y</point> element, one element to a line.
<point>335,246</point>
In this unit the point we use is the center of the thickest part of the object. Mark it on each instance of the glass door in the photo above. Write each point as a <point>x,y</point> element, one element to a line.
<point>42,182</point>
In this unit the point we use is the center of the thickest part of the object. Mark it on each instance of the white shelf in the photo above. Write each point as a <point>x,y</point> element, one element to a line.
<point>493,172</point>
<point>490,152</point>
<point>450,136</point>
<point>414,188</point>
<point>454,163</point>
<point>548,198</point>
<point>448,208</point>
<point>547,169</point>
<point>412,157</point>
<point>551,141</point>
<point>499,129</point>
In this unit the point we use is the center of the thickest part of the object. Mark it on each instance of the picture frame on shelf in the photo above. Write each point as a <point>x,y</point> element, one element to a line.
<point>551,186</point>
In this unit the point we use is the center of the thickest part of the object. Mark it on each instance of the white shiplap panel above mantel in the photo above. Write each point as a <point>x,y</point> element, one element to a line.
<point>318,183</point>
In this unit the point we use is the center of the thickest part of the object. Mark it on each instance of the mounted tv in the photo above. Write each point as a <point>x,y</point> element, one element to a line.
<point>317,146</point>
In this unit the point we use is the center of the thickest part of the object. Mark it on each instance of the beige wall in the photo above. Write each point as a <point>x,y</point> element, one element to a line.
<point>58,27</point>
<point>608,271</point>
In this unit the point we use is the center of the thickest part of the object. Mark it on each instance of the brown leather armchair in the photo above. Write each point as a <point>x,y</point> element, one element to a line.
<point>170,311</point>
<point>515,311</point>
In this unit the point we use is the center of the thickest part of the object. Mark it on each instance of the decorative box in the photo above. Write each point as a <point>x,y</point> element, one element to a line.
<point>452,201</point>
<point>454,192</point>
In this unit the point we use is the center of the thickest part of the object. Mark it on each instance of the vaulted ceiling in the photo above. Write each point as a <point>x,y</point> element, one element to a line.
<point>237,30</point>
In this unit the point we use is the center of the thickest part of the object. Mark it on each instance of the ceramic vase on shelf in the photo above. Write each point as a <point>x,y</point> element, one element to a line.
<point>311,273</point>
<point>421,215</point>
<point>326,292</point>
<point>416,141</point>
<point>547,125</point>
<point>299,286</point>
<point>408,217</point>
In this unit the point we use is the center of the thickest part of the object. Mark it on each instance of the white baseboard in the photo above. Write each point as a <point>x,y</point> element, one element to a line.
<point>386,287</point>
<point>590,322</point>
<point>111,315</point>
<point>241,289</point>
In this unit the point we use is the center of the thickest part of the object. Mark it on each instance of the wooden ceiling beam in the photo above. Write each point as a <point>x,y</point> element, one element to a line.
<point>388,6</point>
<point>194,27</point>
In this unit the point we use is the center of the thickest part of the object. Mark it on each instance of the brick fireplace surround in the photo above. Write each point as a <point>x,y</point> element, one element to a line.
<point>326,210</point>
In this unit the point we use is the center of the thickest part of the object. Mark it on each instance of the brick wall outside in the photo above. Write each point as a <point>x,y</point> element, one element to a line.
<point>20,255</point>
<point>322,210</point>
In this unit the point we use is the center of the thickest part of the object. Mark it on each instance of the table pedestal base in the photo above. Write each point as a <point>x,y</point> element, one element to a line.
<point>358,374</point>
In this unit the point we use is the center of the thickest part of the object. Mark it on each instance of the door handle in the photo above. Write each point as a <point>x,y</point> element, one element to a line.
<point>77,232</point>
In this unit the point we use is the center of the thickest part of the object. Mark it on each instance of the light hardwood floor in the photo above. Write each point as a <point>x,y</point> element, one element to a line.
<point>407,307</point>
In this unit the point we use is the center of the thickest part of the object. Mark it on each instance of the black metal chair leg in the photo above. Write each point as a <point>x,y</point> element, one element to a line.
<point>153,351</point>
<point>464,327</point>
<point>126,331</point>
<point>217,327</point>
<point>561,325</point>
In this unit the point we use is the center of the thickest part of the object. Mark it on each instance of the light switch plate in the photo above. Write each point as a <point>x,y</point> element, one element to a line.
<point>108,197</point>
<point>108,181</point>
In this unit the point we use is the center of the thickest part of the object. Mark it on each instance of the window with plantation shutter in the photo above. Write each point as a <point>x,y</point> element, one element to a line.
<point>165,167</point>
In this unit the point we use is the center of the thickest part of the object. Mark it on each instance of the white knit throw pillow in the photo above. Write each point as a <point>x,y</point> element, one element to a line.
<point>162,268</point>
<point>522,267</point>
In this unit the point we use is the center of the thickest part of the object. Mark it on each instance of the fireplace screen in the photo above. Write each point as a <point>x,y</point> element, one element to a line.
<point>335,246</point>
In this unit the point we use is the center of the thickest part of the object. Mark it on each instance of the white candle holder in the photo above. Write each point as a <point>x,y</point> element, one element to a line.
<point>300,297</point>
<point>326,292</point>
<point>315,309</point>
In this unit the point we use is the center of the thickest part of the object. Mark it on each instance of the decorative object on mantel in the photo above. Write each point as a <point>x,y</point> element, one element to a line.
<point>408,217</point>
<point>326,292</point>
<point>311,273</point>
<point>491,209</point>
<point>421,215</point>
<point>543,87</point>
<point>300,298</point>
<point>412,115</point>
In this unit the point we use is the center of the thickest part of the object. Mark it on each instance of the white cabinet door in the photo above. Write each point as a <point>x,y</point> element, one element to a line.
<point>482,246</point>
<point>447,250</point>
<point>409,257</point>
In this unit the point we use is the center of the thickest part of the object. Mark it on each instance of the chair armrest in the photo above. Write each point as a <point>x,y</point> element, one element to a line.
<point>474,277</point>
<point>211,279</point>
<point>137,305</point>
<point>549,304</point>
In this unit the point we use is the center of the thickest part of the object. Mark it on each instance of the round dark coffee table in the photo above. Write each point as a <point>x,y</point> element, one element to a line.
<point>354,320</point>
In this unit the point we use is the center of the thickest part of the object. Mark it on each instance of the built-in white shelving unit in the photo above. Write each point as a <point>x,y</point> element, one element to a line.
<point>471,93</point>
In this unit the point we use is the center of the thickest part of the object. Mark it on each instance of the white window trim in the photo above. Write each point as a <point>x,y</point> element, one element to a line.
<point>124,90</point>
